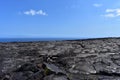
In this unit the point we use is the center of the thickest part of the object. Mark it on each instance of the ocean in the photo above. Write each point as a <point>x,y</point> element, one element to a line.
<point>33,39</point>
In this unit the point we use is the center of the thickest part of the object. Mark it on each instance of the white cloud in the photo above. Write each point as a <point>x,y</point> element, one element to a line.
<point>109,15</point>
<point>34,12</point>
<point>97,5</point>
<point>112,12</point>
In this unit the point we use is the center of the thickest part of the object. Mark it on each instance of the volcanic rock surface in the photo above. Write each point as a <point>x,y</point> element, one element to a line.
<point>91,59</point>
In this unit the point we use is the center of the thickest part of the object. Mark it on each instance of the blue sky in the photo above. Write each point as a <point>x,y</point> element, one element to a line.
<point>60,18</point>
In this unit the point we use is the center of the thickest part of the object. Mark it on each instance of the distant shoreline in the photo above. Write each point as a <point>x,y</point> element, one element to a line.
<point>9,40</point>
<point>34,39</point>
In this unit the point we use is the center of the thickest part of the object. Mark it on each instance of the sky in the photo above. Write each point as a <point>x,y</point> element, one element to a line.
<point>60,18</point>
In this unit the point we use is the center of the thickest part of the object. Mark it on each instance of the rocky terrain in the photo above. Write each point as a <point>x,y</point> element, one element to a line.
<point>91,59</point>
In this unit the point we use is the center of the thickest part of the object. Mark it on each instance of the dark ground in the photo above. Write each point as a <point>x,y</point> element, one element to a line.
<point>93,59</point>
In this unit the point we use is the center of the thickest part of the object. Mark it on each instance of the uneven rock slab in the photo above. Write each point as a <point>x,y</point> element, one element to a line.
<point>92,59</point>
